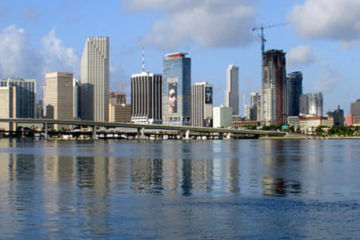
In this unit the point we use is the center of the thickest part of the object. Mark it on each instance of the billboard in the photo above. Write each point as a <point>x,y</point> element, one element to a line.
<point>172,95</point>
<point>208,95</point>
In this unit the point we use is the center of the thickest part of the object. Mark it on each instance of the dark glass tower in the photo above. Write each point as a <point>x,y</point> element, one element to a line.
<point>176,90</point>
<point>294,90</point>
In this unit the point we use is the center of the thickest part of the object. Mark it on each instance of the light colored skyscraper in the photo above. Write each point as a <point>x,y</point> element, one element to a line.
<point>95,79</point>
<point>59,96</point>
<point>311,103</point>
<point>202,104</point>
<point>25,94</point>
<point>9,105</point>
<point>274,94</point>
<point>232,89</point>
<point>146,98</point>
<point>176,90</point>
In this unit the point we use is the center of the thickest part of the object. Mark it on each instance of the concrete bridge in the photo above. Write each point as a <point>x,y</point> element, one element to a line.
<point>182,130</point>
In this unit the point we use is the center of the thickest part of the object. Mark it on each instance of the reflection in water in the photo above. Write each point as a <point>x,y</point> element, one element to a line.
<point>278,158</point>
<point>195,189</point>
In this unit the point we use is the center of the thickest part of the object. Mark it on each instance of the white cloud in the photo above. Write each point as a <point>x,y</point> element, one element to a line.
<point>327,19</point>
<point>328,80</point>
<point>17,59</point>
<point>208,23</point>
<point>57,57</point>
<point>300,55</point>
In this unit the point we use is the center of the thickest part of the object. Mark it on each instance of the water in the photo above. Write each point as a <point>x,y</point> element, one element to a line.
<point>239,189</point>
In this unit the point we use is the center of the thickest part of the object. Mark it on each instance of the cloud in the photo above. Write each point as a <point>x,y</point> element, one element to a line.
<point>30,14</point>
<point>208,23</point>
<point>57,57</point>
<point>329,79</point>
<point>17,59</point>
<point>327,19</point>
<point>300,55</point>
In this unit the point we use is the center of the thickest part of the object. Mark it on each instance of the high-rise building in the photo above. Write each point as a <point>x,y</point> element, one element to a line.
<point>117,98</point>
<point>39,109</point>
<point>338,115</point>
<point>202,105</point>
<point>95,79</point>
<point>120,112</point>
<point>76,99</point>
<point>9,106</point>
<point>294,90</point>
<point>59,96</point>
<point>312,104</point>
<point>146,98</point>
<point>176,90</point>
<point>255,106</point>
<point>232,89</point>
<point>222,117</point>
<point>355,108</point>
<point>274,106</point>
<point>25,94</point>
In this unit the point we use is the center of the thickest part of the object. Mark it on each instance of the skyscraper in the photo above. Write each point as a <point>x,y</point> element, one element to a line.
<point>274,107</point>
<point>294,90</point>
<point>202,105</point>
<point>255,106</point>
<point>95,79</point>
<point>311,103</point>
<point>232,89</point>
<point>355,108</point>
<point>146,98</point>
<point>176,90</point>
<point>25,94</point>
<point>59,96</point>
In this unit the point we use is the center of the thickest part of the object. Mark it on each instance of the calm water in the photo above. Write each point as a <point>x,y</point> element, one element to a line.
<point>241,189</point>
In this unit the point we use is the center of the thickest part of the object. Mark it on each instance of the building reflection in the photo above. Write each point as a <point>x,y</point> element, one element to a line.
<point>277,181</point>
<point>146,176</point>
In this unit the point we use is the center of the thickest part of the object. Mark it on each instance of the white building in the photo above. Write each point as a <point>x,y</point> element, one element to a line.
<point>95,79</point>
<point>202,104</point>
<point>232,89</point>
<point>9,102</point>
<point>222,117</point>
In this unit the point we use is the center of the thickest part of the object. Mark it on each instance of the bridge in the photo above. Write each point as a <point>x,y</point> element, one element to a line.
<point>181,130</point>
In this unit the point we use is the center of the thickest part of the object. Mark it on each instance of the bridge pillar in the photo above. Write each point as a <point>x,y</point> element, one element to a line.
<point>46,130</point>
<point>228,136</point>
<point>93,135</point>
<point>187,135</point>
<point>141,133</point>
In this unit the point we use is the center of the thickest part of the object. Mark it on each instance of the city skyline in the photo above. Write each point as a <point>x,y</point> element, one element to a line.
<point>325,57</point>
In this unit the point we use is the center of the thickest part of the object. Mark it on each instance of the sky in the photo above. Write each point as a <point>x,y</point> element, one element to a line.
<point>321,39</point>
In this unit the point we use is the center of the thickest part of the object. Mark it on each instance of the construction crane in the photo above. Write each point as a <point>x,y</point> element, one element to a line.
<point>261,35</point>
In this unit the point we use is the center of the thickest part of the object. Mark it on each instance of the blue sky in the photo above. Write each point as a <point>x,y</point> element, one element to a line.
<point>321,39</point>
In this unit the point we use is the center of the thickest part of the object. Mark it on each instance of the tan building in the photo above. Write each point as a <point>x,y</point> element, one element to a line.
<point>59,97</point>
<point>8,106</point>
<point>308,124</point>
<point>119,112</point>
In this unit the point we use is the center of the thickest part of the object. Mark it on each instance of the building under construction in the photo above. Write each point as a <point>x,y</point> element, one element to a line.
<point>274,94</point>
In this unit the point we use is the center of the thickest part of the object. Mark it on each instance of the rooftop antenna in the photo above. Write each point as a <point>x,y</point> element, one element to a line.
<point>143,59</point>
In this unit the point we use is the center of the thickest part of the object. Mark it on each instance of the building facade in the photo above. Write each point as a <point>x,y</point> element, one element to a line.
<point>274,94</point>
<point>9,103</point>
<point>59,96</point>
<point>338,115</point>
<point>294,90</point>
<point>95,79</point>
<point>355,108</point>
<point>176,90</point>
<point>146,98</point>
<point>232,89</point>
<point>222,117</point>
<point>120,112</point>
<point>25,94</point>
<point>255,106</point>
<point>202,105</point>
<point>311,103</point>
